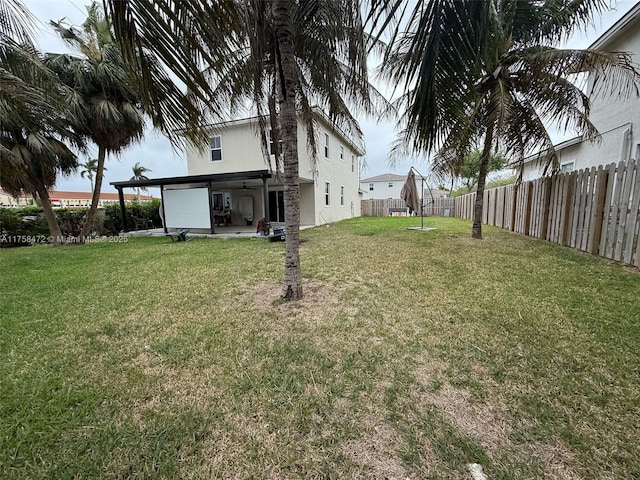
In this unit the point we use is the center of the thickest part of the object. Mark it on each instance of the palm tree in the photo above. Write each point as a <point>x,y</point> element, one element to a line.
<point>139,174</point>
<point>283,55</point>
<point>33,132</point>
<point>90,168</point>
<point>104,102</point>
<point>38,156</point>
<point>485,74</point>
<point>33,119</point>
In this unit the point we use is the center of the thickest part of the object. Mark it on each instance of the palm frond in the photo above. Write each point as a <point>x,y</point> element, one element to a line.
<point>16,23</point>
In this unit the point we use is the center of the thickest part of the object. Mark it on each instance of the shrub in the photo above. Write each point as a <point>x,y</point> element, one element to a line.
<point>31,222</point>
<point>141,210</point>
<point>18,226</point>
<point>71,220</point>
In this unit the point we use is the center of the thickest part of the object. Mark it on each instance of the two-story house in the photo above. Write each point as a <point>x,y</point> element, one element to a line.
<point>232,183</point>
<point>381,187</point>
<point>617,118</point>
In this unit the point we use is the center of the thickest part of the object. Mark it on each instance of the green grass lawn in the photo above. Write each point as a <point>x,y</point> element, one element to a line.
<point>412,355</point>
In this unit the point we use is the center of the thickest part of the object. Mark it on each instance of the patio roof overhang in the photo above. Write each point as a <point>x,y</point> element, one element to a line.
<point>212,177</point>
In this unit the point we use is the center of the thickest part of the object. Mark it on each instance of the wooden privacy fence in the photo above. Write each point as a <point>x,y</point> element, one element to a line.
<point>380,208</point>
<point>437,207</point>
<point>594,210</point>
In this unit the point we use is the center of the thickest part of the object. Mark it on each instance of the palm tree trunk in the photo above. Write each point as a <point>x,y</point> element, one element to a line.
<point>476,229</point>
<point>50,216</point>
<point>95,198</point>
<point>292,287</point>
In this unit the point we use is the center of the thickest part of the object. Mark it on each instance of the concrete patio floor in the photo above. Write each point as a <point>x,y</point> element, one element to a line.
<point>238,231</point>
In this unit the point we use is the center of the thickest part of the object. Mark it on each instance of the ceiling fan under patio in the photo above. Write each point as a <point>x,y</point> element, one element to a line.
<point>245,188</point>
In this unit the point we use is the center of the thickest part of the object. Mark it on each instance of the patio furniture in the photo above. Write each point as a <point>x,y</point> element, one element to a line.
<point>142,223</point>
<point>180,236</point>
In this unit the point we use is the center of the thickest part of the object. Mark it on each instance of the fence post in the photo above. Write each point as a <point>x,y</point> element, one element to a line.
<point>528,187</point>
<point>607,220</point>
<point>597,211</point>
<point>567,195</point>
<point>514,206</point>
<point>546,200</point>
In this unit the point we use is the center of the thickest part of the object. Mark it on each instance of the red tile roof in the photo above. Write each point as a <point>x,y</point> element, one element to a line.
<point>63,195</point>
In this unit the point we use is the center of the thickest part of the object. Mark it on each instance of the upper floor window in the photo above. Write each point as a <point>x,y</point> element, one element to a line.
<point>342,195</point>
<point>216,148</point>
<point>390,184</point>
<point>326,145</point>
<point>371,187</point>
<point>353,163</point>
<point>566,167</point>
<point>341,152</point>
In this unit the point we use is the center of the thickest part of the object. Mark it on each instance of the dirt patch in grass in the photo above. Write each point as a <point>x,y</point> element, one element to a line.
<point>317,295</point>
<point>375,452</point>
<point>557,460</point>
<point>319,306</point>
<point>486,421</point>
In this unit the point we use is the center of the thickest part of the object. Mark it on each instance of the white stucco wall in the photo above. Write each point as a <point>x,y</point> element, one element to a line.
<point>337,170</point>
<point>241,151</point>
<point>616,117</point>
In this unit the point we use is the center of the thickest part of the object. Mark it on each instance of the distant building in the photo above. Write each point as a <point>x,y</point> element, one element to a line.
<point>381,187</point>
<point>68,199</point>
<point>435,193</point>
<point>389,185</point>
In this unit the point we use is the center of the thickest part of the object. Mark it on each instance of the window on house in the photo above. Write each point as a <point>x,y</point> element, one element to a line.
<point>327,189</point>
<point>353,163</point>
<point>216,149</point>
<point>566,167</point>
<point>326,145</point>
<point>371,187</point>
<point>390,184</point>
<point>342,195</point>
<point>341,152</point>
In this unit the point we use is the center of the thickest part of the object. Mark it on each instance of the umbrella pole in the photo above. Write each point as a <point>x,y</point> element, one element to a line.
<point>421,202</point>
<point>422,183</point>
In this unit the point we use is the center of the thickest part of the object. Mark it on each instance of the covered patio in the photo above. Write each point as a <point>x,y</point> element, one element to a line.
<point>223,203</point>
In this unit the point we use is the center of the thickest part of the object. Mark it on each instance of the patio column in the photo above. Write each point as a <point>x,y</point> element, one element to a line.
<point>164,222</point>
<point>265,200</point>
<point>212,219</point>
<point>123,212</point>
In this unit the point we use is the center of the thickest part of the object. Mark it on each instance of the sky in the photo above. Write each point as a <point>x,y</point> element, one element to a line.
<point>155,151</point>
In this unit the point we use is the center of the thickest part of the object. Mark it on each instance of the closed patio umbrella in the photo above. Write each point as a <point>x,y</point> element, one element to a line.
<point>409,193</point>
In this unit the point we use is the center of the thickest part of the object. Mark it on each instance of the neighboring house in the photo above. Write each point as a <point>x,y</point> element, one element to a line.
<point>67,199</point>
<point>389,185</point>
<point>232,182</point>
<point>435,194</point>
<point>616,118</point>
<point>381,187</point>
